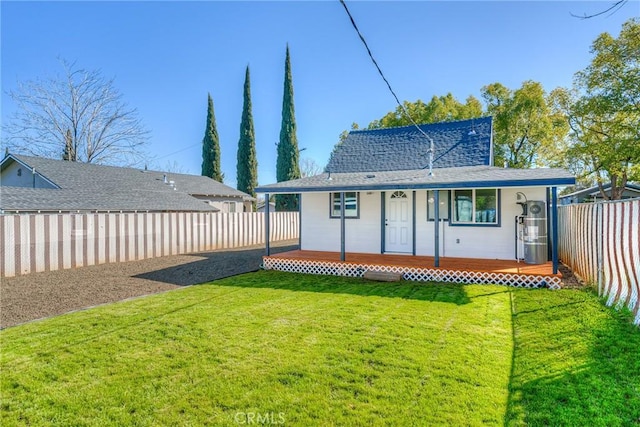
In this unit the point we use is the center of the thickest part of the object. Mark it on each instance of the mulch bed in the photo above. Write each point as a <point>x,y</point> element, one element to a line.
<point>46,294</point>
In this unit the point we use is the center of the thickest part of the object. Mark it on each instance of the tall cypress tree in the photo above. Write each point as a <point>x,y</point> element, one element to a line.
<point>287,165</point>
<point>247,165</point>
<point>211,147</point>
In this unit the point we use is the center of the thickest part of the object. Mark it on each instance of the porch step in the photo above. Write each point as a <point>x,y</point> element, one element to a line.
<point>382,276</point>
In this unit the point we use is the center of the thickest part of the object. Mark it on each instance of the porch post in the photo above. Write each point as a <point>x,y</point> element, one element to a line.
<point>267,220</point>
<point>300,220</point>
<point>413,225</point>
<point>436,227</point>
<point>342,230</point>
<point>383,229</point>
<point>554,229</point>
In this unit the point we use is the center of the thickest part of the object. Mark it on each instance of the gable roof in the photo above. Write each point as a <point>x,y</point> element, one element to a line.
<point>85,186</point>
<point>444,178</point>
<point>21,199</point>
<point>459,143</point>
<point>633,190</point>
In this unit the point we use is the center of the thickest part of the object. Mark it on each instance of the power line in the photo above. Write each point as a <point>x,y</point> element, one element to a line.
<point>404,109</point>
<point>179,151</point>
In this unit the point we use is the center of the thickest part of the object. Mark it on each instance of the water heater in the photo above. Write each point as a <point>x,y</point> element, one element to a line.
<point>535,233</point>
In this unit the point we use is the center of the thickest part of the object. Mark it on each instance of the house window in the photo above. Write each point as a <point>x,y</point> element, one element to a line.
<point>351,204</point>
<point>443,213</point>
<point>476,207</point>
<point>229,207</point>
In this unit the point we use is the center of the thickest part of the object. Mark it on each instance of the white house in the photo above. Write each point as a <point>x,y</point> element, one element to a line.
<point>378,196</point>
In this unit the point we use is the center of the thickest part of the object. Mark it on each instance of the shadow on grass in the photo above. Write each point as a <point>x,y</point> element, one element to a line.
<point>215,265</point>
<point>440,292</point>
<point>576,362</point>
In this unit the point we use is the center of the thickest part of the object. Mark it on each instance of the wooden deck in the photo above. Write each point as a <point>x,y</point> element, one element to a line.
<point>448,263</point>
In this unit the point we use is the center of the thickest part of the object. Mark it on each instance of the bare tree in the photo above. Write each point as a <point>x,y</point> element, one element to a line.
<point>79,116</point>
<point>309,167</point>
<point>174,167</point>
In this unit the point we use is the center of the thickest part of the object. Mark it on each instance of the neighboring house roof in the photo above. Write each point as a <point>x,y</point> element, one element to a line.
<point>459,143</point>
<point>85,186</point>
<point>21,199</point>
<point>459,177</point>
<point>594,192</point>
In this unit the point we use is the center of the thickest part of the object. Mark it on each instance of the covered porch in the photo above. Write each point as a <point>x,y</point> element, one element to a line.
<point>417,268</point>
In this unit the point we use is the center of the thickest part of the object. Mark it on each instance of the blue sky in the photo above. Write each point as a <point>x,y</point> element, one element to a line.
<point>166,56</point>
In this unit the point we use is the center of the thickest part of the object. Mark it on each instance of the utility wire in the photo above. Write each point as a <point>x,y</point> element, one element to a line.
<point>404,109</point>
<point>179,151</point>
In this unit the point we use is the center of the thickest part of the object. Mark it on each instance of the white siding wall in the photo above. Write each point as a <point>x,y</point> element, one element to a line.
<point>321,233</point>
<point>475,242</point>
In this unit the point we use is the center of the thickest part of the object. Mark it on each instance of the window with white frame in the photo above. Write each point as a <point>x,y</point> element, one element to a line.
<point>443,212</point>
<point>351,204</point>
<point>475,206</point>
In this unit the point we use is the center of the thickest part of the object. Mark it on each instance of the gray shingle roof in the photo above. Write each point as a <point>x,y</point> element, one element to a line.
<point>14,199</point>
<point>460,177</point>
<point>98,187</point>
<point>460,143</point>
<point>595,191</point>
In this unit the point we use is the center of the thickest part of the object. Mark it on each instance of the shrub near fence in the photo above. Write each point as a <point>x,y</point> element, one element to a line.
<point>41,242</point>
<point>601,244</point>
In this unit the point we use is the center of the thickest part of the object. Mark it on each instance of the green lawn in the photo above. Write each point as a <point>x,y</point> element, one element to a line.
<point>273,347</point>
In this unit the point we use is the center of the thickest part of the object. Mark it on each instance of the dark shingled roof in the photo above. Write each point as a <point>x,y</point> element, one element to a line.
<point>460,143</point>
<point>84,186</point>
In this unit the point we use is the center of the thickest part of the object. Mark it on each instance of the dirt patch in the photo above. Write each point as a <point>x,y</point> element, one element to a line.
<point>569,280</point>
<point>38,295</point>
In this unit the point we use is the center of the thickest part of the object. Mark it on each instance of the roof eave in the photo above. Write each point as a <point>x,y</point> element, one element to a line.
<point>541,182</point>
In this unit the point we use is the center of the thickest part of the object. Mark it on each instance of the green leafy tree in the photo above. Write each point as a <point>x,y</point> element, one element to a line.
<point>211,146</point>
<point>287,167</point>
<point>247,165</point>
<point>526,127</point>
<point>604,112</point>
<point>440,109</point>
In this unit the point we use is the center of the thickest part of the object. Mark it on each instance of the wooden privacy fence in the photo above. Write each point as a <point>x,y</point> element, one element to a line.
<point>601,244</point>
<point>41,242</point>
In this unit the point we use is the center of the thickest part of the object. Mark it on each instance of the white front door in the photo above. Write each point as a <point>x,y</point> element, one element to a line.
<point>398,222</point>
